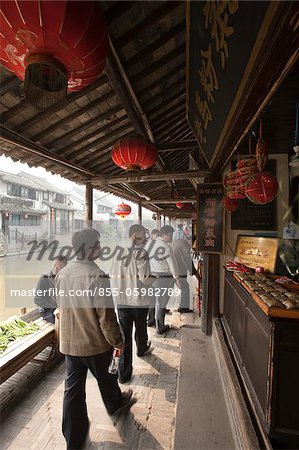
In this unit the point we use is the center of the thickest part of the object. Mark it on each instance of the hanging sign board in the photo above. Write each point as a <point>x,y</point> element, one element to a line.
<point>220,40</point>
<point>210,232</point>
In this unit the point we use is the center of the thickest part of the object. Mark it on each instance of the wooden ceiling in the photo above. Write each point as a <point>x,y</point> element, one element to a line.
<point>142,89</point>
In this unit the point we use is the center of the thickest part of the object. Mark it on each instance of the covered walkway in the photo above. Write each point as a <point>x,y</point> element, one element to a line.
<point>179,404</point>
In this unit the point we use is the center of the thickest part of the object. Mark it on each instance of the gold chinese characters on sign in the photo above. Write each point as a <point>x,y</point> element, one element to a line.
<point>256,252</point>
<point>216,20</point>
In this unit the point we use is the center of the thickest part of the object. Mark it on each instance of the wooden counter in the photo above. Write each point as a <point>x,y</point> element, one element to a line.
<point>266,350</point>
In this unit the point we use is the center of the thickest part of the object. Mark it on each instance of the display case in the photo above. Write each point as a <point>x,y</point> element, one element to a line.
<point>265,346</point>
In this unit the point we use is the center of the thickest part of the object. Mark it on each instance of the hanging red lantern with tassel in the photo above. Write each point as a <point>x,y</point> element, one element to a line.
<point>179,205</point>
<point>134,153</point>
<point>122,210</point>
<point>262,188</point>
<point>54,46</point>
<point>229,204</point>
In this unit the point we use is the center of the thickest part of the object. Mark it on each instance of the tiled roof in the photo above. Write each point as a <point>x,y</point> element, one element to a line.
<point>60,206</point>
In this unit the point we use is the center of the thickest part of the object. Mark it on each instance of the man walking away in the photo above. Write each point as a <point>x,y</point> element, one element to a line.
<point>179,232</point>
<point>45,290</point>
<point>164,269</point>
<point>88,332</point>
<point>151,312</point>
<point>129,276</point>
<point>181,251</point>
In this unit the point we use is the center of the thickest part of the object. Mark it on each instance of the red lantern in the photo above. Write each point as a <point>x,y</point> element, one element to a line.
<point>262,188</point>
<point>122,210</point>
<point>229,204</point>
<point>179,205</point>
<point>134,153</point>
<point>235,193</point>
<point>53,45</point>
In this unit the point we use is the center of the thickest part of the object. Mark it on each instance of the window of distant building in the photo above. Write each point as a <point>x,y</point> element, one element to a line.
<point>101,208</point>
<point>46,196</point>
<point>15,219</point>
<point>59,198</point>
<point>14,190</point>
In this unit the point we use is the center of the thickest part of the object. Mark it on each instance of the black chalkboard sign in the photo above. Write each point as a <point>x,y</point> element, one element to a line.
<point>250,216</point>
<point>220,40</point>
<point>210,232</point>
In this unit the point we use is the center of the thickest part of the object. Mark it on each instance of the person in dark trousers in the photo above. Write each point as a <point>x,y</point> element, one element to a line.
<point>45,290</point>
<point>88,333</point>
<point>129,276</point>
<point>151,311</point>
<point>164,269</point>
<point>181,249</point>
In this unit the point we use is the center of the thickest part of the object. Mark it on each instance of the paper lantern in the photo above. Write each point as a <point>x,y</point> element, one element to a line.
<point>235,193</point>
<point>122,210</point>
<point>179,205</point>
<point>262,188</point>
<point>55,46</point>
<point>229,204</point>
<point>134,153</point>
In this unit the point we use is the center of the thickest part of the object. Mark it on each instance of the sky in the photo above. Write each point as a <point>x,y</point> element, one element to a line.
<point>8,165</point>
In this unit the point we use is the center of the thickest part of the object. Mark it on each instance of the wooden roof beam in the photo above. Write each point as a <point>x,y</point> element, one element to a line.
<point>45,113</point>
<point>157,65</point>
<point>189,174</point>
<point>169,146</point>
<point>170,119</point>
<point>85,126</point>
<point>158,43</point>
<point>150,20</point>
<point>168,114</point>
<point>62,122</point>
<point>178,135</point>
<point>170,201</point>
<point>174,98</point>
<point>8,84</point>
<point>176,84</point>
<point>164,79</point>
<point>117,10</point>
<point>34,149</point>
<point>176,126</point>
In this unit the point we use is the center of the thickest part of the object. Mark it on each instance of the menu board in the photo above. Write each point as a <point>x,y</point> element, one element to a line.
<point>256,252</point>
<point>250,216</point>
<point>210,232</point>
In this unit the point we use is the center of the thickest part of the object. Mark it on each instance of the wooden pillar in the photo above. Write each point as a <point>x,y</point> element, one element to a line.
<point>159,221</point>
<point>164,220</point>
<point>139,213</point>
<point>210,292</point>
<point>88,205</point>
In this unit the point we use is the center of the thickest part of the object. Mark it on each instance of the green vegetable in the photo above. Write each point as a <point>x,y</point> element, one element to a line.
<point>14,328</point>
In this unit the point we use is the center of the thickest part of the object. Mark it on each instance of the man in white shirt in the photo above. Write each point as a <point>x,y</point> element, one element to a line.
<point>164,269</point>
<point>181,251</point>
<point>129,274</point>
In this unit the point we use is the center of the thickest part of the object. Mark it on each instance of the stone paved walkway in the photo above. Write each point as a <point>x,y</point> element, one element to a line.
<point>36,422</point>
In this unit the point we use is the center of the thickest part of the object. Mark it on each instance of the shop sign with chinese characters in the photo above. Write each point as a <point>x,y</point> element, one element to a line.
<point>256,252</point>
<point>210,233</point>
<point>220,38</point>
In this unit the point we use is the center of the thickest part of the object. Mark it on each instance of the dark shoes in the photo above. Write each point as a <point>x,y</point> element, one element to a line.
<point>147,351</point>
<point>127,402</point>
<point>163,329</point>
<point>125,380</point>
<point>151,323</point>
<point>185,310</point>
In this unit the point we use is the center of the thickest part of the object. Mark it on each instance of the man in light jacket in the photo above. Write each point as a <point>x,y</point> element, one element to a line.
<point>88,333</point>
<point>163,267</point>
<point>181,249</point>
<point>129,275</point>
